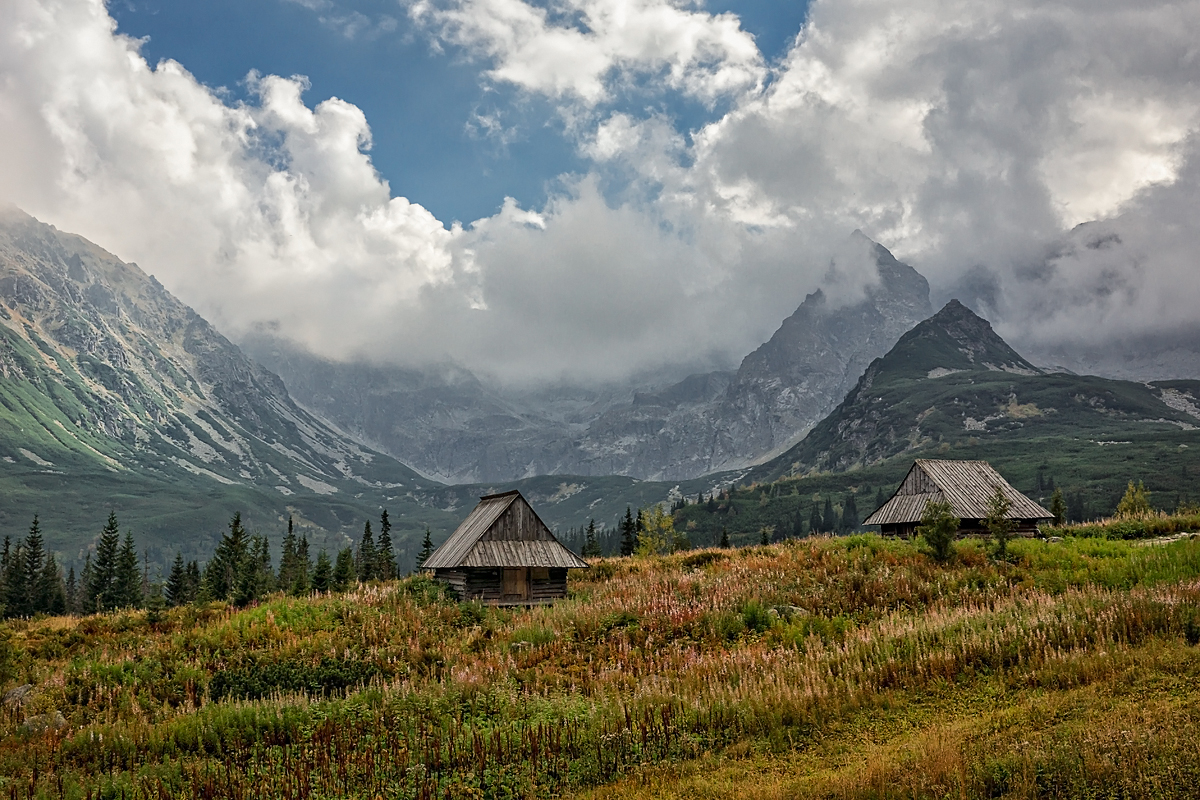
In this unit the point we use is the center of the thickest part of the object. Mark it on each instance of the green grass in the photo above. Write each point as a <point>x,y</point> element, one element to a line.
<point>850,667</point>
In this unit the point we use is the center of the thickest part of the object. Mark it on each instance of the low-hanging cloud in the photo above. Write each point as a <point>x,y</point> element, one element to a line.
<point>968,137</point>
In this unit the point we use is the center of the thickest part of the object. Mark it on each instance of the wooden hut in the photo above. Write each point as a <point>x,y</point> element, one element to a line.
<point>503,554</point>
<point>967,486</point>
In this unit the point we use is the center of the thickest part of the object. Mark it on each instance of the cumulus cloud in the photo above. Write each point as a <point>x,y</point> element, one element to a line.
<point>576,48</point>
<point>971,138</point>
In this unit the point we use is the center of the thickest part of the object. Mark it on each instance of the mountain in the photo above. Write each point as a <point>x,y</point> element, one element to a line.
<point>115,395</point>
<point>952,386</point>
<point>449,424</point>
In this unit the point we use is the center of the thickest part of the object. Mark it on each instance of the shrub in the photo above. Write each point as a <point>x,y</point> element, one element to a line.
<point>938,528</point>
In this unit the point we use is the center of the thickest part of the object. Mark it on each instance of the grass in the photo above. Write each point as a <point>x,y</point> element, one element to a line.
<point>824,667</point>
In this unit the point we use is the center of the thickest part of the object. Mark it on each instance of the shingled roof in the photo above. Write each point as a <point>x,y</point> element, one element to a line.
<point>966,485</point>
<point>484,540</point>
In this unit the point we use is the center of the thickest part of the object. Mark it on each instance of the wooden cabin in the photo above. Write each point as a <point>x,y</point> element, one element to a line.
<point>503,554</point>
<point>967,486</point>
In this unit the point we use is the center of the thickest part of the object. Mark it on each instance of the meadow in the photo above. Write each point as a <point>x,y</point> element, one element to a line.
<point>851,667</point>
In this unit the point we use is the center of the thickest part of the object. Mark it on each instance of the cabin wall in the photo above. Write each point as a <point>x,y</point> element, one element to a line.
<point>917,482</point>
<point>486,585</point>
<point>967,527</point>
<point>517,523</point>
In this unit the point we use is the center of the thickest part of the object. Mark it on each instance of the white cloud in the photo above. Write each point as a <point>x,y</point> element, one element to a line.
<point>967,136</point>
<point>577,48</point>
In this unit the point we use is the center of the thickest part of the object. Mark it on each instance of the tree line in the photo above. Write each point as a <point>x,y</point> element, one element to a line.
<point>240,571</point>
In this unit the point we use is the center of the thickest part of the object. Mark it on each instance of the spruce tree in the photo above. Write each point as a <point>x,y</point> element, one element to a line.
<point>426,549</point>
<point>343,570</point>
<point>72,592</point>
<point>127,582</point>
<point>829,518</point>
<point>52,591</point>
<point>301,583</point>
<point>385,559</point>
<point>5,566</point>
<point>101,588</point>
<point>177,582</point>
<point>364,561</point>
<point>591,548</point>
<point>322,574</point>
<point>287,559</point>
<point>222,572</point>
<point>814,519</point>
<point>16,582</point>
<point>849,514</point>
<point>998,523</point>
<point>628,533</point>
<point>1058,508</point>
<point>194,581</point>
<point>798,529</point>
<point>85,603</point>
<point>724,537</point>
<point>37,589</point>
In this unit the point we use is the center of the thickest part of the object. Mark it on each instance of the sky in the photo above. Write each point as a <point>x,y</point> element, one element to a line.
<point>586,190</point>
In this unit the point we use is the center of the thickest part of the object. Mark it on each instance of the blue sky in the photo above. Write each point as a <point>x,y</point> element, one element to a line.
<point>419,101</point>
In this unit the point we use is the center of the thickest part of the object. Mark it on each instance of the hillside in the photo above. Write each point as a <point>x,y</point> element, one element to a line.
<point>952,383</point>
<point>852,668</point>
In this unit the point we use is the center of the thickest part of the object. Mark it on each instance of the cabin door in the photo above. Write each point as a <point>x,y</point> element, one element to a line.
<point>516,584</point>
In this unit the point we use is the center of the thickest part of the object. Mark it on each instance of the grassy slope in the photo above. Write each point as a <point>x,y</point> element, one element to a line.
<point>830,667</point>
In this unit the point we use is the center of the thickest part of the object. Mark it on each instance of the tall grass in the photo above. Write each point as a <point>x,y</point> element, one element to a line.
<point>395,690</point>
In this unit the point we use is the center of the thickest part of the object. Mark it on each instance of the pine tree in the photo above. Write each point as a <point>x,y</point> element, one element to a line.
<point>177,588</point>
<point>155,604</point>
<point>1058,508</point>
<point>72,592</point>
<point>385,560</point>
<point>628,533</point>
<point>222,572</point>
<point>426,549</point>
<point>52,591</point>
<point>37,597</point>
<point>591,547</point>
<point>194,581</point>
<point>798,530</point>
<point>814,519</point>
<point>16,582</point>
<point>322,573</point>
<point>724,537</point>
<point>127,582</point>
<point>301,583</point>
<point>829,518</point>
<point>84,602</point>
<point>101,589</point>
<point>343,570</point>
<point>364,561</point>
<point>938,528</point>
<point>287,559</point>
<point>998,523</point>
<point>849,514</point>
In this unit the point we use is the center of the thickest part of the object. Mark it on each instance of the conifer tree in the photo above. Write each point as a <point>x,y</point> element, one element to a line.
<point>37,588</point>
<point>998,523</point>
<point>798,530</point>
<point>385,559</point>
<point>52,592</point>
<point>301,582</point>
<point>591,548</point>
<point>84,602</point>
<point>101,588</point>
<point>628,533</point>
<point>222,572</point>
<point>1058,508</point>
<point>364,561</point>
<point>343,570</point>
<point>880,498</point>
<point>177,582</point>
<point>16,582</point>
<point>849,514</point>
<point>829,518</point>
<point>194,581</point>
<point>322,573</point>
<point>724,537</point>
<point>5,566</point>
<point>287,559</point>
<point>814,519</point>
<point>426,549</point>
<point>71,592</point>
<point>127,582</point>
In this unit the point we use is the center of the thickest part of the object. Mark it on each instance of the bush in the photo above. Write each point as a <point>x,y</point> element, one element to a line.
<point>938,528</point>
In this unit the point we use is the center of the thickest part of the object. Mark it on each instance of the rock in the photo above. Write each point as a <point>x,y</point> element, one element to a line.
<point>41,723</point>
<point>16,697</point>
